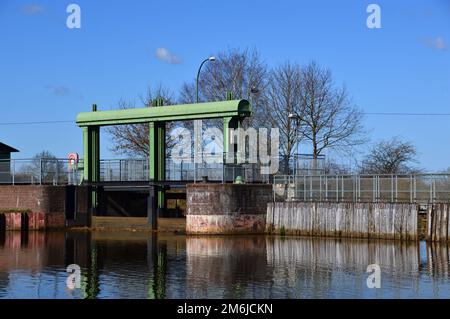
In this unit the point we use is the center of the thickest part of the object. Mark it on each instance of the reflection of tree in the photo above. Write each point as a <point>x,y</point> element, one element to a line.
<point>132,139</point>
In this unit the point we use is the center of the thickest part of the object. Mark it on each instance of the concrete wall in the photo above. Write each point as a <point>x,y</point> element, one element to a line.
<point>38,206</point>
<point>438,222</point>
<point>226,208</point>
<point>350,220</point>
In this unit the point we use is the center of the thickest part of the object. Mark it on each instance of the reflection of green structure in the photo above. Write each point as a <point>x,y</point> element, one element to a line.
<point>232,112</point>
<point>90,283</point>
<point>159,271</point>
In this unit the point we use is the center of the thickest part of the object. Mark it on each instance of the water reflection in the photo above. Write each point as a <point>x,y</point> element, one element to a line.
<point>226,267</point>
<point>136,265</point>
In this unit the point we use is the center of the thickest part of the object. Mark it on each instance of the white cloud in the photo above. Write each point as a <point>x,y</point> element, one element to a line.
<point>436,43</point>
<point>63,91</point>
<point>59,90</point>
<point>165,55</point>
<point>31,9</point>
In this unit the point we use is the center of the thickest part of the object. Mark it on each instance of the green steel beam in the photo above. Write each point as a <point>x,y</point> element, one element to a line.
<point>239,108</point>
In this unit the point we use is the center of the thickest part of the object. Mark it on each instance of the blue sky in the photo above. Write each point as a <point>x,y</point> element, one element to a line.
<point>50,73</point>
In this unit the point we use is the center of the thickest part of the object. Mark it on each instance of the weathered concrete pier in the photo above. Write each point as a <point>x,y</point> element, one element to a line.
<point>399,221</point>
<point>349,220</point>
<point>227,208</point>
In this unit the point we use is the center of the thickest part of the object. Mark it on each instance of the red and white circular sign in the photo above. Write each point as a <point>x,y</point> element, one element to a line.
<point>73,159</point>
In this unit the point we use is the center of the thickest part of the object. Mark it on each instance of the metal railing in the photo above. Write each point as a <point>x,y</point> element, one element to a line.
<point>419,188</point>
<point>213,168</point>
<point>138,170</point>
<point>54,171</point>
<point>38,171</point>
<point>57,171</point>
<point>124,170</point>
<point>302,164</point>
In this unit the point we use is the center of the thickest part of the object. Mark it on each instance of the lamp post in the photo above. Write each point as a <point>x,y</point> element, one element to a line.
<point>211,59</point>
<point>253,91</point>
<point>295,117</point>
<point>198,123</point>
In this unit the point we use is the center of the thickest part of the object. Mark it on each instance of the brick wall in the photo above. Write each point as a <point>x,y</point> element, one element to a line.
<point>46,204</point>
<point>33,197</point>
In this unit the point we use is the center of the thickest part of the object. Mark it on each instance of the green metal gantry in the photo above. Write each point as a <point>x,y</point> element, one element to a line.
<point>232,112</point>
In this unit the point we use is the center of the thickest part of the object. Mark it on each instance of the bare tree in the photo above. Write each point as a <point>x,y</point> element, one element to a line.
<point>44,166</point>
<point>390,157</point>
<point>241,72</point>
<point>133,139</point>
<point>329,119</point>
<point>332,167</point>
<point>281,98</point>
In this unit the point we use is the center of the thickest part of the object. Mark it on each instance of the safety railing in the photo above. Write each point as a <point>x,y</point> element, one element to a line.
<point>418,188</point>
<point>39,171</point>
<point>54,171</point>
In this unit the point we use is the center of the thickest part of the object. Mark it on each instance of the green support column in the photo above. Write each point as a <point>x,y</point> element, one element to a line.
<point>161,136</point>
<point>157,152</point>
<point>226,134</point>
<point>95,162</point>
<point>152,156</point>
<point>229,123</point>
<point>91,157</point>
<point>86,155</point>
<point>232,122</point>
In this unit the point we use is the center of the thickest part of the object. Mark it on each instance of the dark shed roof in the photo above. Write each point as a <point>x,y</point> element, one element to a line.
<point>7,148</point>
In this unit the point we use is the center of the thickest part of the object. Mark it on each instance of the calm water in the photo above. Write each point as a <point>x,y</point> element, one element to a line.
<point>117,266</point>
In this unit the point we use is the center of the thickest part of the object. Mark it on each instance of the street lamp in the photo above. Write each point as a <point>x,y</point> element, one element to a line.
<point>199,122</point>
<point>211,59</point>
<point>297,119</point>
<point>254,90</point>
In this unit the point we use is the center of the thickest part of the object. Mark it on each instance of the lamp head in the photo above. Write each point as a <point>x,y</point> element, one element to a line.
<point>212,58</point>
